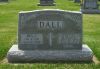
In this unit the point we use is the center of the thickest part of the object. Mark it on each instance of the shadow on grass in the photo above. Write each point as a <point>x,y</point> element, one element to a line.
<point>54,62</point>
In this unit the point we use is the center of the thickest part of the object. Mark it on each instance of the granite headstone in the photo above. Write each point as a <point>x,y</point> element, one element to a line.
<point>49,35</point>
<point>90,6</point>
<point>46,3</point>
<point>77,1</point>
<point>3,0</point>
<point>50,30</point>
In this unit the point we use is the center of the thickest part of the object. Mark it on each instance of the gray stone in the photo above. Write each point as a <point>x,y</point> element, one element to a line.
<point>49,35</point>
<point>90,6</point>
<point>50,30</point>
<point>46,3</point>
<point>16,55</point>
<point>3,0</point>
<point>77,1</point>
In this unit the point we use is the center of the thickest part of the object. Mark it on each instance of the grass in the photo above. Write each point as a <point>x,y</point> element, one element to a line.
<point>8,32</point>
<point>51,66</point>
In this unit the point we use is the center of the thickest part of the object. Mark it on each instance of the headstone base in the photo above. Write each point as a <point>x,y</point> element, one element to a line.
<point>46,4</point>
<point>18,56</point>
<point>90,11</point>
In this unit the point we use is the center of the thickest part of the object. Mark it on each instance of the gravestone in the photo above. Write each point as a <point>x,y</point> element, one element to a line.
<point>77,1</point>
<point>46,3</point>
<point>90,6</point>
<point>49,35</point>
<point>3,0</point>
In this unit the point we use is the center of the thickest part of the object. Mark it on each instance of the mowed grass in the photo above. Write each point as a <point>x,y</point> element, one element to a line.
<point>8,32</point>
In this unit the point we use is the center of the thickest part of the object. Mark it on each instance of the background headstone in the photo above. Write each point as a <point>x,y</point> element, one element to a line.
<point>90,6</point>
<point>46,3</point>
<point>3,0</point>
<point>77,1</point>
<point>49,35</point>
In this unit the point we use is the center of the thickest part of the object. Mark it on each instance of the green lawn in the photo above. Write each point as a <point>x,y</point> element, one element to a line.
<point>8,32</point>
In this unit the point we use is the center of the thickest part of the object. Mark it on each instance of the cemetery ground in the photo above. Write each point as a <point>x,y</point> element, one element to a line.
<point>8,33</point>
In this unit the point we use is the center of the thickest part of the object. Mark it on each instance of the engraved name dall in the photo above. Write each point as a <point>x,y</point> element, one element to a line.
<point>50,24</point>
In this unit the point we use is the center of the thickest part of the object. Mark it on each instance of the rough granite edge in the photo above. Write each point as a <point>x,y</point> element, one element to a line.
<point>16,55</point>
